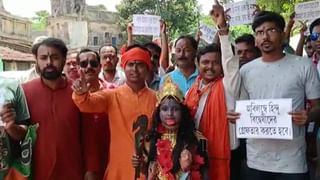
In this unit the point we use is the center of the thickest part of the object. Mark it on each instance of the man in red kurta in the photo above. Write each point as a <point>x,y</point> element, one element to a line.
<point>95,126</point>
<point>123,106</point>
<point>57,154</point>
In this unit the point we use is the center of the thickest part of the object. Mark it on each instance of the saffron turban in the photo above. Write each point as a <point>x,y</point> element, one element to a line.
<point>136,54</point>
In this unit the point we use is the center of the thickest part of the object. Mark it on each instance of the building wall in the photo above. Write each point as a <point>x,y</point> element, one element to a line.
<point>102,33</point>
<point>67,7</point>
<point>16,65</point>
<point>101,25</point>
<point>16,28</point>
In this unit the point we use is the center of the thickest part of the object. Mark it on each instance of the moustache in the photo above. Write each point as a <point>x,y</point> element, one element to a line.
<point>182,58</point>
<point>265,42</point>
<point>90,71</point>
<point>50,67</point>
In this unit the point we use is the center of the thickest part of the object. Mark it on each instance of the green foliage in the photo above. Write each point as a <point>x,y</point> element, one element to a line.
<point>284,7</point>
<point>206,19</point>
<point>183,18</point>
<point>180,15</point>
<point>40,21</point>
<point>237,31</point>
<point>38,27</point>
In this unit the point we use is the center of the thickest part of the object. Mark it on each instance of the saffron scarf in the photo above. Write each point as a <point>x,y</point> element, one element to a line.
<point>213,125</point>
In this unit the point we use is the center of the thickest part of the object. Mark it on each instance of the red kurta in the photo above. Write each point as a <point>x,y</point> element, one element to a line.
<point>213,125</point>
<point>57,153</point>
<point>96,139</point>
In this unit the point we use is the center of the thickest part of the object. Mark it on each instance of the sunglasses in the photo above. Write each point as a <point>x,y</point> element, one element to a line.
<point>314,36</point>
<point>93,63</point>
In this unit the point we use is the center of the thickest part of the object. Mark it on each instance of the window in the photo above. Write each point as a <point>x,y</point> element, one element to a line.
<point>95,40</point>
<point>114,41</point>
<point>68,7</point>
<point>107,35</point>
<point>23,66</point>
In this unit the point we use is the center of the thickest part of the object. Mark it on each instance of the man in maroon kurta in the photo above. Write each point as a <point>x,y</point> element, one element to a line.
<point>95,126</point>
<point>57,154</point>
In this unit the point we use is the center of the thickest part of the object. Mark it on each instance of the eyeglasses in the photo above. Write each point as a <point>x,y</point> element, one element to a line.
<point>269,32</point>
<point>314,36</point>
<point>93,63</point>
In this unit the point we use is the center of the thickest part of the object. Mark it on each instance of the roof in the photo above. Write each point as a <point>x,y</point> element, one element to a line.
<point>13,55</point>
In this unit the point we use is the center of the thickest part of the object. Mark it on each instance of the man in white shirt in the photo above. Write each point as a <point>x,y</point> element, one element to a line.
<point>273,76</point>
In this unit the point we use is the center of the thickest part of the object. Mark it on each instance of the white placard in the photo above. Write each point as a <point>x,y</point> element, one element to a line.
<point>208,33</point>
<point>146,25</point>
<point>267,119</point>
<point>307,10</point>
<point>241,12</point>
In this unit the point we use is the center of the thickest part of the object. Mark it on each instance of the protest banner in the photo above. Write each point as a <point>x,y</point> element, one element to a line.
<point>208,33</point>
<point>307,10</point>
<point>241,12</point>
<point>146,25</point>
<point>267,119</point>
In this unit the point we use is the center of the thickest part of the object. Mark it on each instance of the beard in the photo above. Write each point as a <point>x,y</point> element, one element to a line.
<point>50,74</point>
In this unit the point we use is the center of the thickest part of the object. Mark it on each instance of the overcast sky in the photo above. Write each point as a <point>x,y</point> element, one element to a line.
<point>27,8</point>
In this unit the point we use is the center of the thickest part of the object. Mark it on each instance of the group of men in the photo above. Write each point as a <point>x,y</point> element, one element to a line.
<point>85,103</point>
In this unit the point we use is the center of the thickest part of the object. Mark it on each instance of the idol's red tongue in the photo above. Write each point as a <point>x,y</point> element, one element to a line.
<point>170,122</point>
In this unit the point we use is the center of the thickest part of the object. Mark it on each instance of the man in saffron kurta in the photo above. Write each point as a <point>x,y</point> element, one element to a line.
<point>57,154</point>
<point>123,106</point>
<point>209,98</point>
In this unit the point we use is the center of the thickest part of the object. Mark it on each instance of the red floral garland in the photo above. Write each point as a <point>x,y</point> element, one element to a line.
<point>164,159</point>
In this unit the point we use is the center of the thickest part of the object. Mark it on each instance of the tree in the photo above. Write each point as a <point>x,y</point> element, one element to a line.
<point>40,21</point>
<point>181,16</point>
<point>284,7</point>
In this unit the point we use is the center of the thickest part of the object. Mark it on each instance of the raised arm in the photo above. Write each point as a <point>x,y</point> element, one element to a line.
<point>164,56</point>
<point>129,33</point>
<point>89,102</point>
<point>289,27</point>
<point>230,62</point>
<point>299,49</point>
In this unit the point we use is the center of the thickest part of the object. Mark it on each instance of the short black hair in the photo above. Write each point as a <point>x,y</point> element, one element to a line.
<point>51,42</point>
<point>212,48</point>
<point>246,38</point>
<point>154,46</point>
<point>85,51</point>
<point>250,40</point>
<point>193,42</point>
<point>314,24</point>
<point>108,45</point>
<point>138,46</point>
<point>268,16</point>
